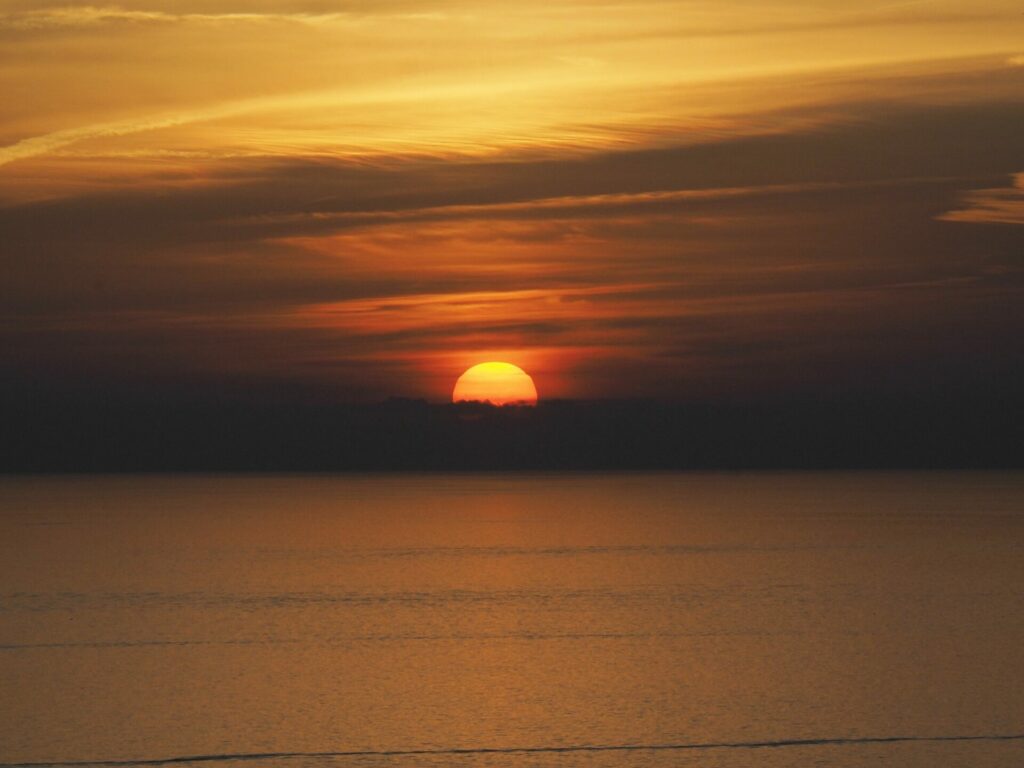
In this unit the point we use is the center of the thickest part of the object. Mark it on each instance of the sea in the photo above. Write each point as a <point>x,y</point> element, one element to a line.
<point>513,620</point>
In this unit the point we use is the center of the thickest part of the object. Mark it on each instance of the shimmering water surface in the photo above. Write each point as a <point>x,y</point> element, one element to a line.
<point>789,619</point>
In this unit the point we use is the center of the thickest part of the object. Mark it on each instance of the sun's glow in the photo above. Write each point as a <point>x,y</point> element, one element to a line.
<point>496,383</point>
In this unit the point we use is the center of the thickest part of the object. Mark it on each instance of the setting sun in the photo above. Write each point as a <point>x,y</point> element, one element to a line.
<point>497,383</point>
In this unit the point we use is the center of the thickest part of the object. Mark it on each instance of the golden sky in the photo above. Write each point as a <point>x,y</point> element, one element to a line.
<point>642,198</point>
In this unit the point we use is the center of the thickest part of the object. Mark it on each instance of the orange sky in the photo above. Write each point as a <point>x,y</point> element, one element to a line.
<point>643,198</point>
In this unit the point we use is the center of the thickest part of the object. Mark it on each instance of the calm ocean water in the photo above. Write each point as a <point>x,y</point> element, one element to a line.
<point>508,620</point>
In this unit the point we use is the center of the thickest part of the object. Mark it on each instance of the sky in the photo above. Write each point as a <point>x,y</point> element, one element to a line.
<point>356,200</point>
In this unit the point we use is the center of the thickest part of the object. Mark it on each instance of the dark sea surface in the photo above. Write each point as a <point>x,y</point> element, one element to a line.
<point>836,619</point>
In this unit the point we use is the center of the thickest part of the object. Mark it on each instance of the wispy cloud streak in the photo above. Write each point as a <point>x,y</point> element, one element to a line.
<point>992,206</point>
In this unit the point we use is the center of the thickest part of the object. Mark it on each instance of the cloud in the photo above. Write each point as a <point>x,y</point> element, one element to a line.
<point>811,240</point>
<point>89,16</point>
<point>692,19</point>
<point>443,102</point>
<point>72,12</point>
<point>258,199</point>
<point>992,206</point>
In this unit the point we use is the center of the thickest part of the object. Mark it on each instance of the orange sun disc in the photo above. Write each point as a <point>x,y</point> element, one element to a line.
<point>496,383</point>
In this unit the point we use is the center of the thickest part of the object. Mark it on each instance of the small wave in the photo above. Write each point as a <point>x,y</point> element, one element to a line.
<point>455,751</point>
<point>392,638</point>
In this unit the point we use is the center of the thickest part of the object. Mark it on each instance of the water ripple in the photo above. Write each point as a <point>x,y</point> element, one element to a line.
<point>454,751</point>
